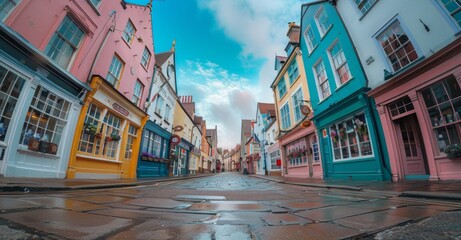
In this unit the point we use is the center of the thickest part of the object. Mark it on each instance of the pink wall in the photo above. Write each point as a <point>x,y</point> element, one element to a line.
<point>37,21</point>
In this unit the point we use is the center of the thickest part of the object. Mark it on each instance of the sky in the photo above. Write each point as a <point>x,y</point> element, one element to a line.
<point>225,54</point>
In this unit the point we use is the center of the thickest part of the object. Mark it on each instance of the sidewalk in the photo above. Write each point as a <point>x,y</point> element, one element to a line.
<point>448,189</point>
<point>9,184</point>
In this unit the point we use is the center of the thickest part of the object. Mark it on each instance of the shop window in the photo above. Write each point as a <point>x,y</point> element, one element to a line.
<point>7,6</point>
<point>115,71</point>
<point>443,102</point>
<point>100,136</point>
<point>297,153</point>
<point>350,138</point>
<point>152,144</point>
<point>129,32</point>
<point>10,89</point>
<point>275,155</point>
<point>64,42</point>
<point>401,106</point>
<point>132,135</point>
<point>46,120</point>
<point>397,46</point>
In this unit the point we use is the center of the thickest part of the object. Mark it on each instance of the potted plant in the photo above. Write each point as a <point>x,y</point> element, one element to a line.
<point>98,135</point>
<point>453,151</point>
<point>90,129</point>
<point>144,156</point>
<point>342,132</point>
<point>333,135</point>
<point>115,137</point>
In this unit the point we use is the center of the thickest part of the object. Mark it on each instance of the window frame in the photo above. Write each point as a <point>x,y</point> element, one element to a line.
<point>128,36</point>
<point>275,155</point>
<point>159,105</point>
<point>311,41</point>
<point>7,14</point>
<point>120,70</point>
<point>365,3</point>
<point>452,13</point>
<point>137,95</point>
<point>323,30</point>
<point>279,87</point>
<point>320,84</point>
<point>336,69</point>
<point>145,62</point>
<point>297,104</point>
<point>285,115</point>
<point>293,71</point>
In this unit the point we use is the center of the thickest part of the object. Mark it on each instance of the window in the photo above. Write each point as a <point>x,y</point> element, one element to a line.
<point>64,42</point>
<point>274,157</point>
<point>128,34</point>
<point>46,118</point>
<point>138,87</point>
<point>297,103</point>
<point>145,58</point>
<point>132,135</point>
<point>311,41</point>
<point>159,105</point>
<point>115,71</point>
<point>95,2</point>
<point>443,103</point>
<point>322,80</point>
<point>340,65</point>
<point>100,142</point>
<point>296,152</point>
<point>350,138</point>
<point>315,149</point>
<point>153,143</point>
<point>285,113</point>
<point>167,113</point>
<point>281,86</point>
<point>454,8</point>
<point>397,46</point>
<point>10,88</point>
<point>293,72</point>
<point>401,106</point>
<point>322,21</point>
<point>6,6</point>
<point>364,5</point>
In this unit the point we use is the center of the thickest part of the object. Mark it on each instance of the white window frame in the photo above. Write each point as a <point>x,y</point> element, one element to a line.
<point>381,50</point>
<point>367,5</point>
<point>13,4</point>
<point>275,155</point>
<point>146,56</point>
<point>137,92</point>
<point>167,112</point>
<point>115,70</point>
<point>67,46</point>
<point>296,100</point>
<point>129,32</point>
<point>310,41</point>
<point>319,85</point>
<point>333,61</point>
<point>322,29</point>
<point>286,118</point>
<point>159,105</point>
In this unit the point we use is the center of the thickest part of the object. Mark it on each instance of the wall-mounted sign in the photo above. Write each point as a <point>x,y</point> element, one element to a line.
<point>324,133</point>
<point>175,140</point>
<point>120,109</point>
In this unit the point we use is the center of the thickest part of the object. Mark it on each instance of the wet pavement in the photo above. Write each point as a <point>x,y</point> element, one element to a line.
<point>231,206</point>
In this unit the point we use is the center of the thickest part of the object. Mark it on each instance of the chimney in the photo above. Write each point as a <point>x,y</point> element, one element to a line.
<point>293,32</point>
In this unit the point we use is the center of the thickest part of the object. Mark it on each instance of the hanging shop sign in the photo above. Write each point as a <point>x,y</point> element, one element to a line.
<point>175,140</point>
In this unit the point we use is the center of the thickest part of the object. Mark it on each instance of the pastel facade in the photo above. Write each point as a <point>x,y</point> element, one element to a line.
<point>272,150</point>
<point>418,97</point>
<point>265,115</point>
<point>121,76</point>
<point>46,83</point>
<point>350,136</point>
<point>179,165</point>
<point>297,137</point>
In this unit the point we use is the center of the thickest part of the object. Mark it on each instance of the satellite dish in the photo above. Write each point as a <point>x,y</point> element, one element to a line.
<point>306,124</point>
<point>305,110</point>
<point>178,128</point>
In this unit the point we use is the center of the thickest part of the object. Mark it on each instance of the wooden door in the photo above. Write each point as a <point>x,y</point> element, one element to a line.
<point>411,151</point>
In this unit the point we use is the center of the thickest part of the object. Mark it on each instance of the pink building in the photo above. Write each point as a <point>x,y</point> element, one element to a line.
<point>420,111</point>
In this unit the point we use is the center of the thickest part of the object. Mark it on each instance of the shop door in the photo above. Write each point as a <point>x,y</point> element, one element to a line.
<point>413,160</point>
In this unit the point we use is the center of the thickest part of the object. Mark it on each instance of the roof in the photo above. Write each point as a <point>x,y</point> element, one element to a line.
<point>264,108</point>
<point>160,58</point>
<point>281,58</point>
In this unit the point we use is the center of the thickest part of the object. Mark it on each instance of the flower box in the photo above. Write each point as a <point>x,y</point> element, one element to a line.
<point>43,147</point>
<point>53,148</point>
<point>33,144</point>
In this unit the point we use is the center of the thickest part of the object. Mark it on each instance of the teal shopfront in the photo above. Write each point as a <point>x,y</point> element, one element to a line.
<point>153,157</point>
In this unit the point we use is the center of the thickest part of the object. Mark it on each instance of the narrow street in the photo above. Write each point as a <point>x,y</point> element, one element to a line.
<point>223,206</point>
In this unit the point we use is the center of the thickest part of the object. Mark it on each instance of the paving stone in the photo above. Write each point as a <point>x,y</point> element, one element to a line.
<point>414,213</point>
<point>304,205</point>
<point>441,207</point>
<point>194,198</point>
<point>237,218</point>
<point>160,216</point>
<point>284,219</point>
<point>229,206</point>
<point>103,199</point>
<point>68,224</point>
<point>158,203</point>
<point>311,231</point>
<point>64,203</point>
<point>371,222</point>
<point>13,204</point>
<point>151,230</point>
<point>376,205</point>
<point>331,213</point>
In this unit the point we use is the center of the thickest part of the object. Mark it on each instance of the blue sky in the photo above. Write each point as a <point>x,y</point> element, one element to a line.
<point>225,53</point>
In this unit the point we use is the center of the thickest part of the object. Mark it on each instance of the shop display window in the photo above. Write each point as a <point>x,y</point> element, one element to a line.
<point>297,153</point>
<point>350,138</point>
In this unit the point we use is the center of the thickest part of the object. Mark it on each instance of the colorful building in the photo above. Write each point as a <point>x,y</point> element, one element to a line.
<point>296,137</point>
<point>245,135</point>
<point>109,131</point>
<point>265,114</point>
<point>418,94</point>
<point>351,139</point>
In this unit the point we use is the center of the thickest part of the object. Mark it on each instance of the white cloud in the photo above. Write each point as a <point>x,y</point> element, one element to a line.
<point>222,97</point>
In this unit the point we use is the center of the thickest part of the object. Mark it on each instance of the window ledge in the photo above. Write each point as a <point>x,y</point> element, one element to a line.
<point>37,153</point>
<point>127,43</point>
<point>344,84</point>
<point>99,159</point>
<point>298,77</point>
<point>298,166</point>
<point>326,32</point>
<point>357,159</point>
<point>311,52</point>
<point>323,100</point>
<point>95,8</point>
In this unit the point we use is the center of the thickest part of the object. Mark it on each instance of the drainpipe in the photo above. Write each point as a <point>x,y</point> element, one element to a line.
<point>111,29</point>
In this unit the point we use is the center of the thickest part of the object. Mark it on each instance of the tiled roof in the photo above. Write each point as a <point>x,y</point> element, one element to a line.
<point>160,58</point>
<point>264,108</point>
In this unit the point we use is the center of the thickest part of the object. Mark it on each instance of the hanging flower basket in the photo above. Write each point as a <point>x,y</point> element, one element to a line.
<point>333,135</point>
<point>90,129</point>
<point>115,137</point>
<point>108,139</point>
<point>342,132</point>
<point>98,135</point>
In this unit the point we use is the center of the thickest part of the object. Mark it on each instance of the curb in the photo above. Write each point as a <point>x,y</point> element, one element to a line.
<point>437,195</point>
<point>312,184</point>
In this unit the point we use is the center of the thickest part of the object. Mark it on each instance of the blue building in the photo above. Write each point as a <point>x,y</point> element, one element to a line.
<point>155,144</point>
<point>350,134</point>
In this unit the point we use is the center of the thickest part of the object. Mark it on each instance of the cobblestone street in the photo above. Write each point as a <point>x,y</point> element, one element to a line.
<point>224,206</point>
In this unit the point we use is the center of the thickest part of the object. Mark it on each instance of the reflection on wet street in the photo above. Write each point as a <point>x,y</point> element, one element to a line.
<point>220,206</point>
